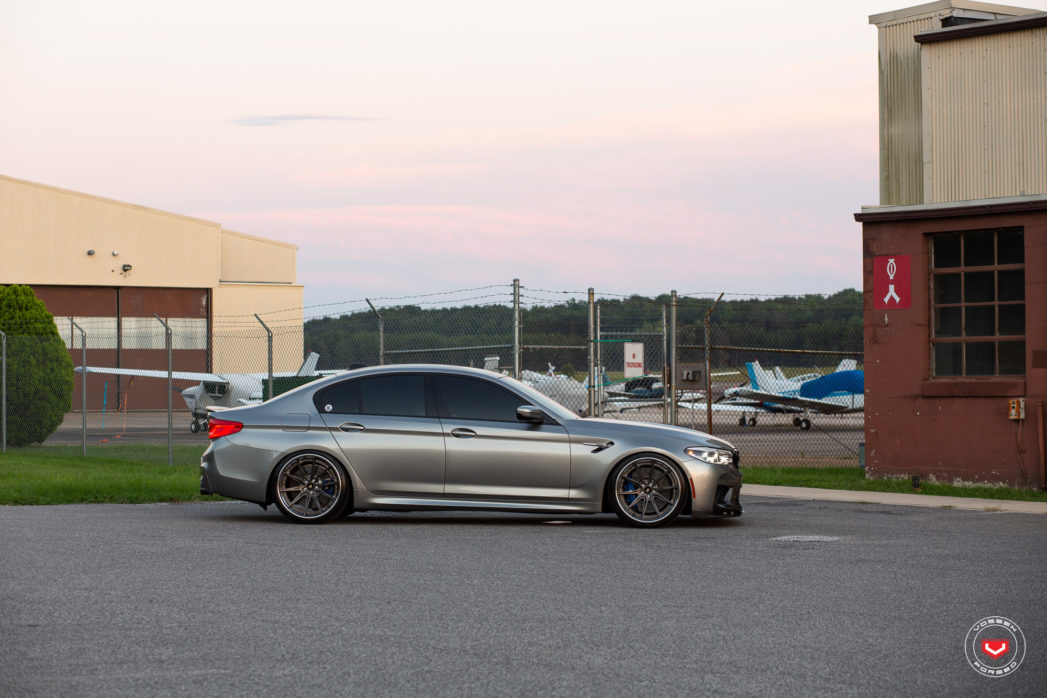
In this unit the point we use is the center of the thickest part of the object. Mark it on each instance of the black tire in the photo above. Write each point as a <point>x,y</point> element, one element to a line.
<point>741,421</point>
<point>194,427</point>
<point>311,488</point>
<point>752,421</point>
<point>647,491</point>
<point>805,424</point>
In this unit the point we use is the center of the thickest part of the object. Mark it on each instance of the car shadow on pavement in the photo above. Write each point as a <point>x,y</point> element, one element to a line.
<point>459,518</point>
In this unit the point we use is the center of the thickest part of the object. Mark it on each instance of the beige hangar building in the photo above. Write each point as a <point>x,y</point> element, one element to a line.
<point>108,266</point>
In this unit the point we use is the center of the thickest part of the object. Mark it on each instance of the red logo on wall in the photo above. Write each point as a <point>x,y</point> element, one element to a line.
<point>892,281</point>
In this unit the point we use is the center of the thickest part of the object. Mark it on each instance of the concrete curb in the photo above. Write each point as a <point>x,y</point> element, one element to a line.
<point>910,500</point>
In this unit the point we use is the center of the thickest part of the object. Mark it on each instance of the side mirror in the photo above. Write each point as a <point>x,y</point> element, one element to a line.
<point>530,413</point>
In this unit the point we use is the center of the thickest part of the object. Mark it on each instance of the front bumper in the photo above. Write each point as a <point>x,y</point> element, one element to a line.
<point>715,489</point>
<point>727,502</point>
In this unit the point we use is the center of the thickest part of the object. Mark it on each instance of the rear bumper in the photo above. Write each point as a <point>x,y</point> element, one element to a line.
<point>220,481</point>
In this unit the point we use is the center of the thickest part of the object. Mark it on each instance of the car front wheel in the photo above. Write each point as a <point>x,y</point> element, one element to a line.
<point>647,491</point>
<point>310,488</point>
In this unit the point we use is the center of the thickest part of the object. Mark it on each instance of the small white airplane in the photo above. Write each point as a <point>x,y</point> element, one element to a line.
<point>633,394</point>
<point>839,392</point>
<point>567,391</point>
<point>217,389</point>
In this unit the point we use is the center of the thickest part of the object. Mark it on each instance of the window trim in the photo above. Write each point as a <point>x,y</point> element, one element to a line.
<point>994,383</point>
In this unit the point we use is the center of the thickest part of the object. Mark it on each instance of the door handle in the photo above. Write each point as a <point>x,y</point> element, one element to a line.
<point>351,426</point>
<point>463,433</point>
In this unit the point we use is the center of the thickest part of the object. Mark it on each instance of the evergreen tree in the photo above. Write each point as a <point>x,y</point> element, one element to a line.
<point>39,369</point>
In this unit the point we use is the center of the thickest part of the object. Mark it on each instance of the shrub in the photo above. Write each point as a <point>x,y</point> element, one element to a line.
<point>39,368</point>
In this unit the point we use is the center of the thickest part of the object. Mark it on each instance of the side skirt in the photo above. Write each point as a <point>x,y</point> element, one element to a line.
<point>384,502</point>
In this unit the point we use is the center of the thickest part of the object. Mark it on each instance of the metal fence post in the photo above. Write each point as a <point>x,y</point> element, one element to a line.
<point>170,370</point>
<point>599,365</point>
<point>381,333</point>
<point>592,355</point>
<point>83,389</point>
<point>3,390</point>
<point>517,352</point>
<point>269,352</point>
<point>665,367</point>
<point>708,368</point>
<point>674,364</point>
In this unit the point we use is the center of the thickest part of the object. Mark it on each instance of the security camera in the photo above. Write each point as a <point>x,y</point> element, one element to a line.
<point>90,252</point>
<point>127,267</point>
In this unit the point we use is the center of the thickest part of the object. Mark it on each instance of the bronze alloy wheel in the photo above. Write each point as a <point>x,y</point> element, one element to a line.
<point>311,488</point>
<point>648,491</point>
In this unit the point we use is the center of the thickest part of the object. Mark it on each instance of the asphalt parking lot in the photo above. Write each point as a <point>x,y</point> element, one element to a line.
<point>796,597</point>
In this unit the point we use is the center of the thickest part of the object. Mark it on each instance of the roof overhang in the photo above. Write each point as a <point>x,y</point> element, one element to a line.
<point>952,209</point>
<point>998,26</point>
<point>960,8</point>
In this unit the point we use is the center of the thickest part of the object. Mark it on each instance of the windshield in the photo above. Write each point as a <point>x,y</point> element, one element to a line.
<point>554,408</point>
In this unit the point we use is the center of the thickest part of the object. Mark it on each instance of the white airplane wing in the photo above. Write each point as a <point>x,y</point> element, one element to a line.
<point>805,402</point>
<point>146,373</point>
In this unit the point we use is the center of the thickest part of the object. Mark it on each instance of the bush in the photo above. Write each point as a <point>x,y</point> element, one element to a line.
<point>39,369</point>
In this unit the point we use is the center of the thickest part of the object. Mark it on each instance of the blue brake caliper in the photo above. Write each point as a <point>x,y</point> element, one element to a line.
<point>328,486</point>
<point>629,487</point>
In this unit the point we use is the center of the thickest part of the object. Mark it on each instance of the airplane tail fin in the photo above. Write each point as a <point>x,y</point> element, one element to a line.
<point>491,363</point>
<point>847,365</point>
<point>760,378</point>
<point>309,365</point>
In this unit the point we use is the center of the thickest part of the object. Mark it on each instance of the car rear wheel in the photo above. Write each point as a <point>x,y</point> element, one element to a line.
<point>310,488</point>
<point>647,491</point>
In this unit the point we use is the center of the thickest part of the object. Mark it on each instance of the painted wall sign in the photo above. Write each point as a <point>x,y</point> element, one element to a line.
<point>892,281</point>
<point>633,359</point>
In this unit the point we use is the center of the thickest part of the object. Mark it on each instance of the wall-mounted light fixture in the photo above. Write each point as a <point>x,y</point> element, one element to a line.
<point>126,267</point>
<point>116,252</point>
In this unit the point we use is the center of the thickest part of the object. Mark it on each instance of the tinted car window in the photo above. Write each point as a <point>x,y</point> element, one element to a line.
<point>343,398</point>
<point>399,396</point>
<point>473,398</point>
<point>396,395</point>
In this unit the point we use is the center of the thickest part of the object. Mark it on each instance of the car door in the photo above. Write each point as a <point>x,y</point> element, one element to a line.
<point>490,454</point>
<point>388,430</point>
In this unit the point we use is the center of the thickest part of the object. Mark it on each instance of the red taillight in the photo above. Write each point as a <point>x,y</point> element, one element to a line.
<point>222,427</point>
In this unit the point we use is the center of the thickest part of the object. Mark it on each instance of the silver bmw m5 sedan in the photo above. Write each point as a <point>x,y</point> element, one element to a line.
<point>410,437</point>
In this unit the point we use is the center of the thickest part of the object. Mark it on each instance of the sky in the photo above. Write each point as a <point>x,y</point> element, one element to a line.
<point>411,146</point>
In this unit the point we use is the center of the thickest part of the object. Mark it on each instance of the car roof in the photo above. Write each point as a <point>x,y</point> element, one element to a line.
<point>406,368</point>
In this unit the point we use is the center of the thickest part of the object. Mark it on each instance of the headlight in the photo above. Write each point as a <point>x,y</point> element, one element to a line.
<point>715,456</point>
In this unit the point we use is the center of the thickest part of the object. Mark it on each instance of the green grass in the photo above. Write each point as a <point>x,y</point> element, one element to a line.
<point>853,478</point>
<point>125,473</point>
<point>131,473</point>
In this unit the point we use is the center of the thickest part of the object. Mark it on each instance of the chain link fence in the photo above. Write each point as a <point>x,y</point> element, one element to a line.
<point>677,359</point>
<point>805,349</point>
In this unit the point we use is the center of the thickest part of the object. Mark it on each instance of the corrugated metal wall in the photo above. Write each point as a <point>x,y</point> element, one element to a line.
<point>985,116</point>
<point>138,341</point>
<point>901,137</point>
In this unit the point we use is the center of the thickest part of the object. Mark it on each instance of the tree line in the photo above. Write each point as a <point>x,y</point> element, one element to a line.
<point>464,335</point>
